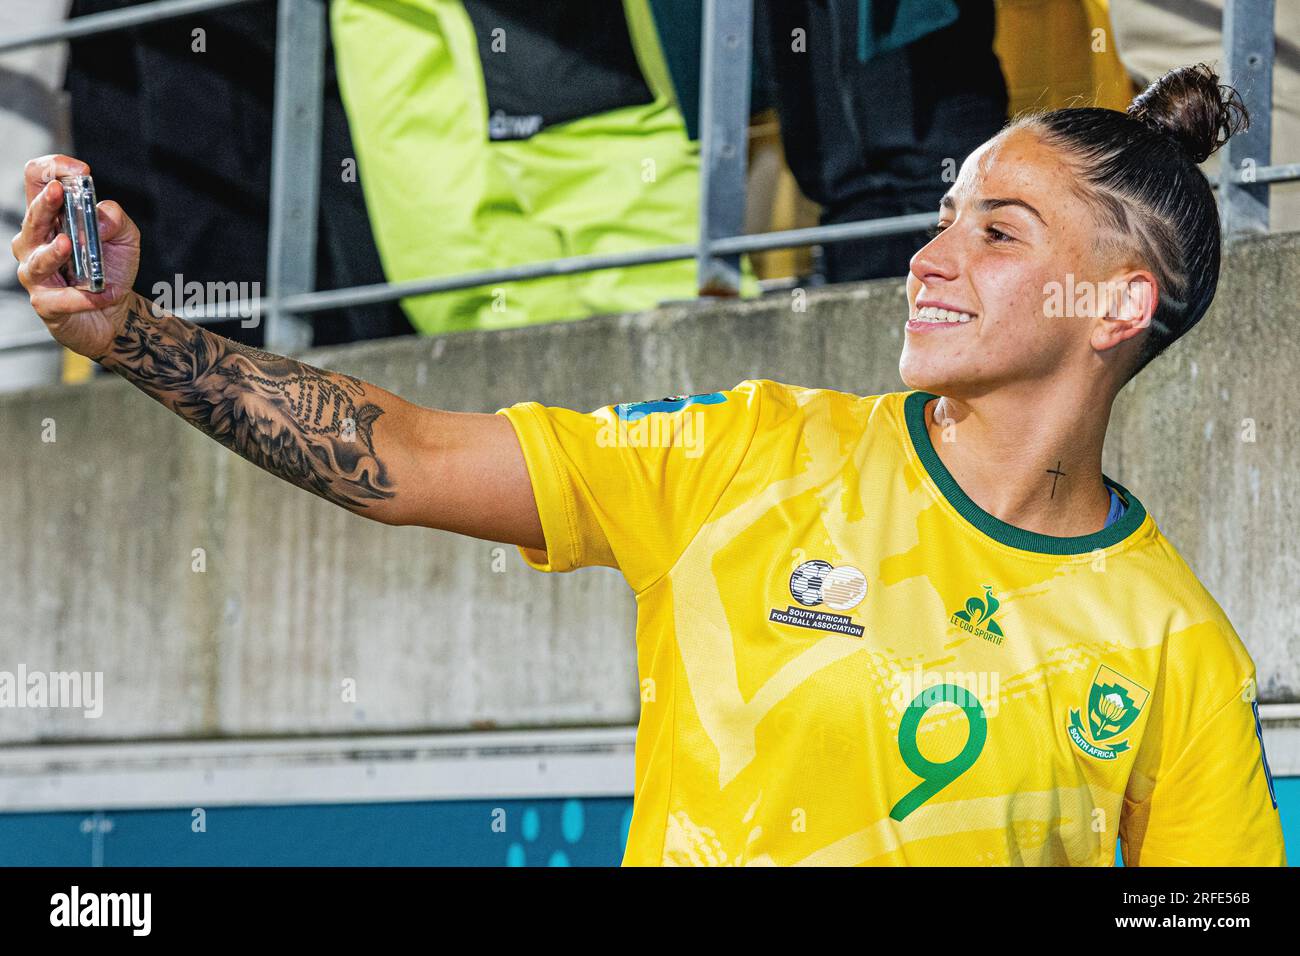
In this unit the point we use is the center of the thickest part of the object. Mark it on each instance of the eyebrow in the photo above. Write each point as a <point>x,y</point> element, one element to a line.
<point>988,205</point>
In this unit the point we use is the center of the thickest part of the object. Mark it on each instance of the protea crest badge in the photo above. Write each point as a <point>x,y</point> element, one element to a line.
<point>1114,702</point>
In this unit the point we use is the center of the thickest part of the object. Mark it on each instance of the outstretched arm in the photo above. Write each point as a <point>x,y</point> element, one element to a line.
<point>352,443</point>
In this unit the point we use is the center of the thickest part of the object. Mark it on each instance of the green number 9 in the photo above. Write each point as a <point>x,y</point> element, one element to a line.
<point>936,776</point>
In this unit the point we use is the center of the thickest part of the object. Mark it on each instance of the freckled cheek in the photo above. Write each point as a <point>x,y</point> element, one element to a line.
<point>1010,292</point>
<point>999,299</point>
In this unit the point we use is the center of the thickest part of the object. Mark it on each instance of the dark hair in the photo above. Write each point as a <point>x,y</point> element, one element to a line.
<point>1138,172</point>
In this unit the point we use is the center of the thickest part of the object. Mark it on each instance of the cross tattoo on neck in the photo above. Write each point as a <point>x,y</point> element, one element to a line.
<point>1057,473</point>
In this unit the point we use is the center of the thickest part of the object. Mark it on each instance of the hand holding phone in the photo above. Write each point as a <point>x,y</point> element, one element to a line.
<point>79,286</point>
<point>85,267</point>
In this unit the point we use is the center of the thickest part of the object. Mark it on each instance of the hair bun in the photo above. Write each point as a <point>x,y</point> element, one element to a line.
<point>1191,106</point>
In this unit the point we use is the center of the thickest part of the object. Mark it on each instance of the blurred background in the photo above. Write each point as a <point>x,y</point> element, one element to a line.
<point>429,194</point>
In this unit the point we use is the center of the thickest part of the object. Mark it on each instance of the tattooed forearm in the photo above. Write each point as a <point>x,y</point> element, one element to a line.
<point>308,426</point>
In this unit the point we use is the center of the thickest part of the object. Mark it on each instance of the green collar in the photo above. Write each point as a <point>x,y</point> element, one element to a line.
<point>995,528</point>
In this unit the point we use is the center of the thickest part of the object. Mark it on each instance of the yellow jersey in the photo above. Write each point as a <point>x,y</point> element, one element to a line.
<point>844,660</point>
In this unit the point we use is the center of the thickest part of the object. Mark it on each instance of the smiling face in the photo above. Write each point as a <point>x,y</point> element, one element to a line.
<point>979,310</point>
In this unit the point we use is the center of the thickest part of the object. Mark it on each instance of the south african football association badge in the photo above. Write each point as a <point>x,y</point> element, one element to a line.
<point>820,583</point>
<point>1114,702</point>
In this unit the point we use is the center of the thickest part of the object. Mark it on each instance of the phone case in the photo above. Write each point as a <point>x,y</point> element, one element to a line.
<point>85,268</point>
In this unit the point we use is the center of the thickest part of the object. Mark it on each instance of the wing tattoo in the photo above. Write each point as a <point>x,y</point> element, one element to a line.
<point>308,426</point>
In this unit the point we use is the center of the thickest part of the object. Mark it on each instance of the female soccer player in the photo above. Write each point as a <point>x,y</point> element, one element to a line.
<point>912,628</point>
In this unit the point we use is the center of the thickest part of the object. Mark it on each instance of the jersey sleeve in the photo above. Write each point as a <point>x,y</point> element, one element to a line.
<point>628,486</point>
<point>1203,794</point>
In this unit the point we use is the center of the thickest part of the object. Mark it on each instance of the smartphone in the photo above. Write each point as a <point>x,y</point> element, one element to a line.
<point>85,267</point>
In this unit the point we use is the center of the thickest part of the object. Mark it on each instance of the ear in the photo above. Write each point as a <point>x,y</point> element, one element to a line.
<point>1128,306</point>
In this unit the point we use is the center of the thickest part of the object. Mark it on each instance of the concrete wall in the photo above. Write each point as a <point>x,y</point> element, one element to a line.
<point>98,527</point>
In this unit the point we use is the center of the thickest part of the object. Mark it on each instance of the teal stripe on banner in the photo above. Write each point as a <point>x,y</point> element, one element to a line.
<point>542,832</point>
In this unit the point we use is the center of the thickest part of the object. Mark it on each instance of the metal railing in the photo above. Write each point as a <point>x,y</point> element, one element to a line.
<point>1243,185</point>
